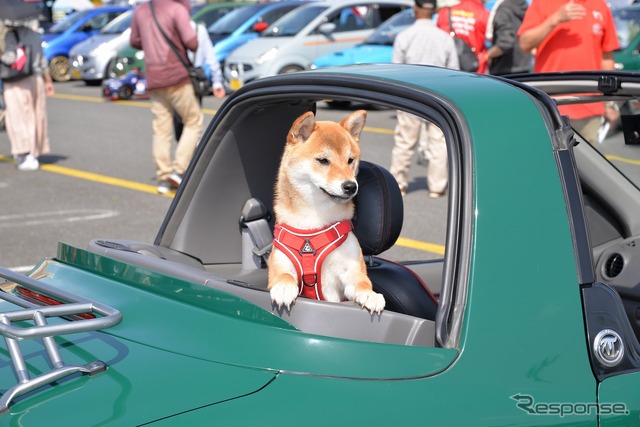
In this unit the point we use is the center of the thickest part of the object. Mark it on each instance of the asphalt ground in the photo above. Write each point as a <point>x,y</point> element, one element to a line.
<point>99,180</point>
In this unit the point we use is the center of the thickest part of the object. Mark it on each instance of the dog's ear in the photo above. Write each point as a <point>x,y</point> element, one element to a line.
<point>354,123</point>
<point>302,128</point>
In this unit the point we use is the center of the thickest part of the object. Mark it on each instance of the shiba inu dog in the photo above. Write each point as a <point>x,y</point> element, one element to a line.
<point>315,253</point>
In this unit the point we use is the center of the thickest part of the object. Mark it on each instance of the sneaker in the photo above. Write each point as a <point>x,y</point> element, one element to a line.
<point>29,163</point>
<point>175,179</point>
<point>164,187</point>
<point>435,194</point>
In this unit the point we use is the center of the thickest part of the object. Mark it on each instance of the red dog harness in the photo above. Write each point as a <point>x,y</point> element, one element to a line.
<point>307,250</point>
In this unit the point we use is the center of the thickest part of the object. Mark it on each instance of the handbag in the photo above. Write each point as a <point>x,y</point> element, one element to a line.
<point>466,54</point>
<point>22,66</point>
<point>199,80</point>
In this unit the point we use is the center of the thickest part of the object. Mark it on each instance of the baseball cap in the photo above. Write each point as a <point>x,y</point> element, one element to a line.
<point>426,4</point>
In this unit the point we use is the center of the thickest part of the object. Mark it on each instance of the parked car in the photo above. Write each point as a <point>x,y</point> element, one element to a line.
<point>245,24</point>
<point>536,318</point>
<point>627,21</point>
<point>92,58</point>
<point>209,13</point>
<point>77,27</point>
<point>128,58</point>
<point>377,48</point>
<point>295,40</point>
<point>132,84</point>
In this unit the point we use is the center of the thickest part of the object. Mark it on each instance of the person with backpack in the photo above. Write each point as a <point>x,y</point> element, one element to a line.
<point>468,20</point>
<point>25,95</point>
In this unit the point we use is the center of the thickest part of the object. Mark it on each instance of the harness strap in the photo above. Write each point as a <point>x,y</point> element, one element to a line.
<point>307,250</point>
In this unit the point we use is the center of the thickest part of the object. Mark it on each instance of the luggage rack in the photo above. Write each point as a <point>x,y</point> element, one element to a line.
<point>96,316</point>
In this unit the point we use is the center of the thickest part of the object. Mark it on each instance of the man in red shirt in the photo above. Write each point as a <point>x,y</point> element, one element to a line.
<point>571,35</point>
<point>469,21</point>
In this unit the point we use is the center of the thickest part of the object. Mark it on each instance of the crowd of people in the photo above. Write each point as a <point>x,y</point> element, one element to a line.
<point>514,37</point>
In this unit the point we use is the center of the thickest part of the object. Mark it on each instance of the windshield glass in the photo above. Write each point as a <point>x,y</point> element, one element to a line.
<point>68,22</point>
<point>627,23</point>
<point>118,25</point>
<point>387,32</point>
<point>294,21</point>
<point>234,20</point>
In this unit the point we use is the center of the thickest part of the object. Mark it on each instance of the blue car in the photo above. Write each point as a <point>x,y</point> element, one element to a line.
<point>245,24</point>
<point>76,28</point>
<point>377,48</point>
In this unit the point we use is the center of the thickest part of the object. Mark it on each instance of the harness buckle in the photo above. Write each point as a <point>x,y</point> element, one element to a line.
<point>307,248</point>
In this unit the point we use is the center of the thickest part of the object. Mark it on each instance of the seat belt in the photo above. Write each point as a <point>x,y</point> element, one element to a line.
<point>257,237</point>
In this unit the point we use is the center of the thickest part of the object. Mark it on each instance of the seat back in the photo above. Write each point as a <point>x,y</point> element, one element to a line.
<point>377,224</point>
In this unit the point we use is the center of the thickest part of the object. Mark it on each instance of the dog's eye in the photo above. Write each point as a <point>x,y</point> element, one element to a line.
<point>350,161</point>
<point>323,161</point>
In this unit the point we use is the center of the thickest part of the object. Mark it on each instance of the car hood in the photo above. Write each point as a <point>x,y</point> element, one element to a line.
<point>363,54</point>
<point>92,43</point>
<point>47,37</point>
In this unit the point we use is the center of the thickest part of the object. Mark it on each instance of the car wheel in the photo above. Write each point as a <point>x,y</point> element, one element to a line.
<point>125,92</point>
<point>291,69</point>
<point>59,67</point>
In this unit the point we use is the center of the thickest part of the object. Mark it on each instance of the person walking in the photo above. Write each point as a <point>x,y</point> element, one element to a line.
<point>25,99</point>
<point>570,35</point>
<point>204,57</point>
<point>168,84</point>
<point>422,43</point>
<point>469,20</point>
<point>505,55</point>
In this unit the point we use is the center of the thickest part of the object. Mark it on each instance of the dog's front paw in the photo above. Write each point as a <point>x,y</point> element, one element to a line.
<point>370,300</point>
<point>284,294</point>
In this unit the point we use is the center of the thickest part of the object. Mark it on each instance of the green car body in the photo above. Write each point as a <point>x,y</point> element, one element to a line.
<point>514,331</point>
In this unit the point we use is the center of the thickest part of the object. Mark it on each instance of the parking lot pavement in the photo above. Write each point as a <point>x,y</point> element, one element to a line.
<point>99,179</point>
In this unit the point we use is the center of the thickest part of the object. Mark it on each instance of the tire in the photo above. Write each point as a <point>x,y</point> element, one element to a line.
<point>59,67</point>
<point>290,69</point>
<point>125,92</point>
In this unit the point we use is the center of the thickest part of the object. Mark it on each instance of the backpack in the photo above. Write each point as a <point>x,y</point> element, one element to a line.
<point>22,66</point>
<point>466,54</point>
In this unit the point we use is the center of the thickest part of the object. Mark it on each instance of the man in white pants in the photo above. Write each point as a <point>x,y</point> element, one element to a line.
<point>422,43</point>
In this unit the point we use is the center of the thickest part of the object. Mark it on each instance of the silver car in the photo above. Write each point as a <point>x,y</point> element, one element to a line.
<point>91,59</point>
<point>295,40</point>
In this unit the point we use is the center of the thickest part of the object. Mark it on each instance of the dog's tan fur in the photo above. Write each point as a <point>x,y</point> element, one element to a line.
<point>319,157</point>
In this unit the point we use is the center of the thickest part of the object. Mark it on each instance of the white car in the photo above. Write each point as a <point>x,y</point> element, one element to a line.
<point>295,40</point>
<point>90,60</point>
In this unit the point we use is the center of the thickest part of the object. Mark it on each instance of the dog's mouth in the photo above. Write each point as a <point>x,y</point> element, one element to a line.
<point>337,197</point>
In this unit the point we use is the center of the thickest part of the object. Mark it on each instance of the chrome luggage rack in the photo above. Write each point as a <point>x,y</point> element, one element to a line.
<point>96,316</point>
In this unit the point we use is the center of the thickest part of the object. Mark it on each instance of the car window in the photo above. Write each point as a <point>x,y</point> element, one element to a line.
<point>291,23</point>
<point>100,20</point>
<point>627,22</point>
<point>271,16</point>
<point>118,25</point>
<point>387,32</point>
<point>68,22</point>
<point>351,19</point>
<point>235,19</point>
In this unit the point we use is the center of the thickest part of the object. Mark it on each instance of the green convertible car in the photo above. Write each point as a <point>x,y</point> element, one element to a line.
<point>530,317</point>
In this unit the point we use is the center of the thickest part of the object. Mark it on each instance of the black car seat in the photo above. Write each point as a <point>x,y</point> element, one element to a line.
<point>377,224</point>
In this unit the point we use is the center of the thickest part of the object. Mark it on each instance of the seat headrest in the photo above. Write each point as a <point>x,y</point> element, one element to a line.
<point>379,210</point>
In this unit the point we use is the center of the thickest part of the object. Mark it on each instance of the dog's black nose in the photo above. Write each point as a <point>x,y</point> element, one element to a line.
<point>349,187</point>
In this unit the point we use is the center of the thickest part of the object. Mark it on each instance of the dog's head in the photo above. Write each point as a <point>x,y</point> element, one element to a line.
<point>323,156</point>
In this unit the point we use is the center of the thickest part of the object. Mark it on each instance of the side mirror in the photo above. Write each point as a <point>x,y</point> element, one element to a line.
<point>260,27</point>
<point>327,28</point>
